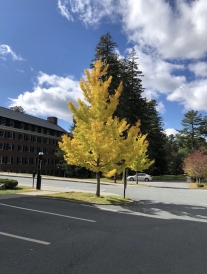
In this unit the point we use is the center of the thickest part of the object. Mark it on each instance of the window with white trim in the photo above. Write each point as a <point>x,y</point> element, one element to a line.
<point>22,125</point>
<point>9,160</point>
<point>20,148</point>
<point>11,123</point>
<point>2,133</point>
<point>9,147</point>
<point>1,146</point>
<point>3,121</point>
<point>10,135</point>
<point>21,137</point>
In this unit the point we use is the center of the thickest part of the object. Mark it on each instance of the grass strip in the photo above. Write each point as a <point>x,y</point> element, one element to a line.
<point>198,186</point>
<point>19,189</point>
<point>89,197</point>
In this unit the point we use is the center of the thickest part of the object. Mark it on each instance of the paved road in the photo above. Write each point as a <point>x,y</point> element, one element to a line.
<point>66,237</point>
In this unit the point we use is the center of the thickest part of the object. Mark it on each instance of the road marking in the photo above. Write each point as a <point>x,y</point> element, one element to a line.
<point>50,213</point>
<point>87,205</point>
<point>24,238</point>
<point>108,209</point>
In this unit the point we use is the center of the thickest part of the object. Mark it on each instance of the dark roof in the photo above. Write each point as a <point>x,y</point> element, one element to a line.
<point>18,116</point>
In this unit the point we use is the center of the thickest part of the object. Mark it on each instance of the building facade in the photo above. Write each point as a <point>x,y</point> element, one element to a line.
<point>22,137</point>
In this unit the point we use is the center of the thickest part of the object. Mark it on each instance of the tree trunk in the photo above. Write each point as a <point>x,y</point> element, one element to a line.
<point>98,184</point>
<point>137,177</point>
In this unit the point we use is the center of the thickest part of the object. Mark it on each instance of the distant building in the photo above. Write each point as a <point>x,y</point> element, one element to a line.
<point>22,137</point>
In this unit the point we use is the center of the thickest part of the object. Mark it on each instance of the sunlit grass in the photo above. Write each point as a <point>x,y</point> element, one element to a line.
<point>17,189</point>
<point>89,197</point>
<point>198,186</point>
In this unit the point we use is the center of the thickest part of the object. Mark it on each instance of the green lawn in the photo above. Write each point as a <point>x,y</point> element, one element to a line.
<point>175,178</point>
<point>89,197</point>
<point>19,189</point>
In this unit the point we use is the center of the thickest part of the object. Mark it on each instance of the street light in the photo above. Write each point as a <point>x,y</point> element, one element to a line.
<point>39,167</point>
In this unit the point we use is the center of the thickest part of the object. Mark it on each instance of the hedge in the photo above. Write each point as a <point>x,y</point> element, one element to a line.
<point>9,183</point>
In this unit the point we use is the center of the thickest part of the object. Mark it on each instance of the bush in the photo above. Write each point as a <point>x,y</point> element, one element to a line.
<point>9,183</point>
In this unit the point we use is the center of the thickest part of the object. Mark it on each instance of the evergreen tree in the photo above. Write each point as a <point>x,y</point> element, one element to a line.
<point>190,136</point>
<point>132,105</point>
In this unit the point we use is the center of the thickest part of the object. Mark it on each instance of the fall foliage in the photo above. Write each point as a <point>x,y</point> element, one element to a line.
<point>101,143</point>
<point>195,164</point>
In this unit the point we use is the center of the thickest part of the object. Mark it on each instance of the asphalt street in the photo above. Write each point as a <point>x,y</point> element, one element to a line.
<point>39,235</point>
<point>163,231</point>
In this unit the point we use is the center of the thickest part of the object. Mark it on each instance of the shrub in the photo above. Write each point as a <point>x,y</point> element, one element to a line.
<point>9,183</point>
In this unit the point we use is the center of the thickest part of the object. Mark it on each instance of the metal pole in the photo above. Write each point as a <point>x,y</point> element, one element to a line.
<point>38,186</point>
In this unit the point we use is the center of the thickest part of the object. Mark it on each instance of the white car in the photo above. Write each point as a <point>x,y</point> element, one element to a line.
<point>141,177</point>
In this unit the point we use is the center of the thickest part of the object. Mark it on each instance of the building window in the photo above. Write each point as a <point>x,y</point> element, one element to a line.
<point>2,132</point>
<point>26,161</point>
<point>47,141</point>
<point>1,160</point>
<point>9,160</point>
<point>3,121</point>
<point>55,133</point>
<point>9,146</point>
<point>1,146</point>
<point>11,123</point>
<point>41,140</point>
<point>35,139</point>
<point>19,160</point>
<point>27,149</point>
<point>33,161</point>
<point>36,129</point>
<point>48,132</point>
<point>28,138</point>
<point>20,148</point>
<point>42,129</point>
<point>10,135</point>
<point>22,126</point>
<point>34,149</point>
<point>29,127</point>
<point>21,137</point>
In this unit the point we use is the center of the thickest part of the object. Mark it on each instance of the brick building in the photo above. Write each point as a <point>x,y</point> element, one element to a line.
<point>22,137</point>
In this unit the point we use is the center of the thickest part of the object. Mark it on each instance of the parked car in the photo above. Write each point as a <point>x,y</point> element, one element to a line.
<point>141,177</point>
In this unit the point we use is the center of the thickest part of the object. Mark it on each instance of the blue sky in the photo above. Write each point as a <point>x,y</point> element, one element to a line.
<point>46,45</point>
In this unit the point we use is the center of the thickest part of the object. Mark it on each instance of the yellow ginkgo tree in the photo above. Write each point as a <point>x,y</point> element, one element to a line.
<point>141,161</point>
<point>101,143</point>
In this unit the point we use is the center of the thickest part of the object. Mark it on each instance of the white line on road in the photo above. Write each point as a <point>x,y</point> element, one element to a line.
<point>24,238</point>
<point>108,209</point>
<point>45,212</point>
<point>87,205</point>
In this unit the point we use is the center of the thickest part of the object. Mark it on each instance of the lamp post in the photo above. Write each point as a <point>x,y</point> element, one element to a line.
<point>39,167</point>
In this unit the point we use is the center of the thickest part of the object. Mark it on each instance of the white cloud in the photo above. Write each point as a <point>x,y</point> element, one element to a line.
<point>50,96</point>
<point>170,131</point>
<point>6,50</point>
<point>153,25</point>
<point>199,69</point>
<point>160,107</point>
<point>164,35</point>
<point>62,5</point>
<point>192,95</point>
<point>91,12</point>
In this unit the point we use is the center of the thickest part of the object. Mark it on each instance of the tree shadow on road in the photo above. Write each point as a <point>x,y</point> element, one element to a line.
<point>152,208</point>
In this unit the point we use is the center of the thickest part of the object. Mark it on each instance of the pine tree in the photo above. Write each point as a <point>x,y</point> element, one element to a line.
<point>190,136</point>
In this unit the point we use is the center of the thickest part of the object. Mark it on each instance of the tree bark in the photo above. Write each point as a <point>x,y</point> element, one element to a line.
<point>136,177</point>
<point>98,184</point>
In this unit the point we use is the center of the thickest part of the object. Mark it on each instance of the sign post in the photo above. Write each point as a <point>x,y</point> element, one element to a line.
<point>39,168</point>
